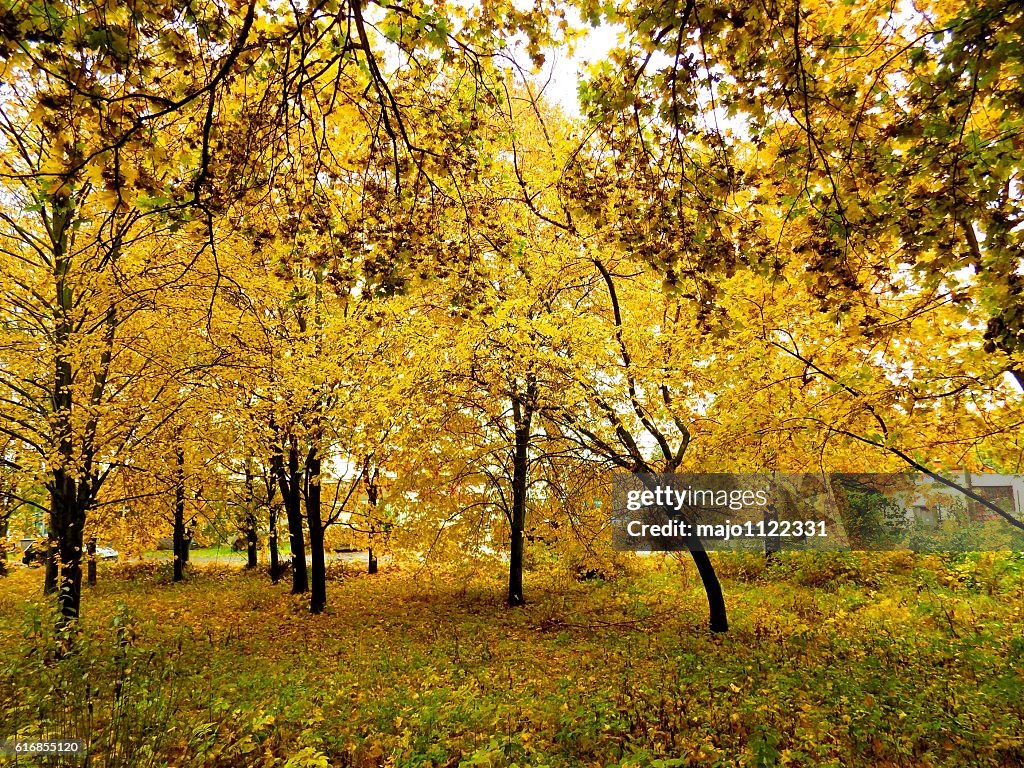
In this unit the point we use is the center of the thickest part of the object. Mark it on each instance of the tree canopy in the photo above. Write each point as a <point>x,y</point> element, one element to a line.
<point>345,263</point>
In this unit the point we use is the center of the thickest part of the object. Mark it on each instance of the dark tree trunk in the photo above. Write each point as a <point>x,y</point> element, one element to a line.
<point>70,587</point>
<point>520,480</point>
<point>372,495</point>
<point>515,568</point>
<point>300,576</point>
<point>719,621</point>
<point>67,512</point>
<point>318,595</point>
<point>673,459</point>
<point>92,561</point>
<point>180,538</point>
<point>718,617</point>
<point>251,542</point>
<point>275,558</point>
<point>249,521</point>
<point>288,479</point>
<point>68,520</point>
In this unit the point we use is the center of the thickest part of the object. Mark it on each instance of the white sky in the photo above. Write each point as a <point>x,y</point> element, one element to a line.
<point>561,73</point>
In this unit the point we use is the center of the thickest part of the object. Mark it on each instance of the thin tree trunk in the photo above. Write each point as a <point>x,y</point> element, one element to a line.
<point>300,575</point>
<point>275,561</point>
<point>181,543</point>
<point>289,481</point>
<point>251,543</point>
<point>92,561</point>
<point>249,522</point>
<point>520,470</point>
<point>318,595</point>
<point>372,495</point>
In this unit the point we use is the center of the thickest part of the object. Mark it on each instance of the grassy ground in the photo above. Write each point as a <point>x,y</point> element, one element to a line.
<point>224,555</point>
<point>836,660</point>
<point>215,554</point>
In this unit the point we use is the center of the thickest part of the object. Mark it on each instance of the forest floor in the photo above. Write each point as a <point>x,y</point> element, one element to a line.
<point>831,660</point>
<point>224,555</point>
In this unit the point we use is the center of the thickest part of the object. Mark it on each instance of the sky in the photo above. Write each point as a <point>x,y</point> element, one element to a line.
<point>562,73</point>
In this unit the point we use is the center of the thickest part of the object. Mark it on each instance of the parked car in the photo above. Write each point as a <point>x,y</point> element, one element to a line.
<point>35,553</point>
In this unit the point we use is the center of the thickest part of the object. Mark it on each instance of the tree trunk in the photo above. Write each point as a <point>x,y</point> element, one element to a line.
<point>520,470</point>
<point>92,561</point>
<point>318,596</point>
<point>68,520</point>
<point>251,543</point>
<point>275,561</point>
<point>181,542</point>
<point>515,567</point>
<point>67,515</point>
<point>289,482</point>
<point>719,621</point>
<point>372,495</point>
<point>718,616</point>
<point>249,521</point>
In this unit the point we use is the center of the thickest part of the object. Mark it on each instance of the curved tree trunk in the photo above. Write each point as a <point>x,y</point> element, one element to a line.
<point>719,621</point>
<point>717,615</point>
<point>289,482</point>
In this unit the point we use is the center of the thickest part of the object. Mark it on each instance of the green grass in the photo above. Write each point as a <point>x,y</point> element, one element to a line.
<point>830,661</point>
<point>215,554</point>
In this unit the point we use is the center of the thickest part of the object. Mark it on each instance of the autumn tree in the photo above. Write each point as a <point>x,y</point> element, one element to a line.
<point>97,135</point>
<point>601,195</point>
